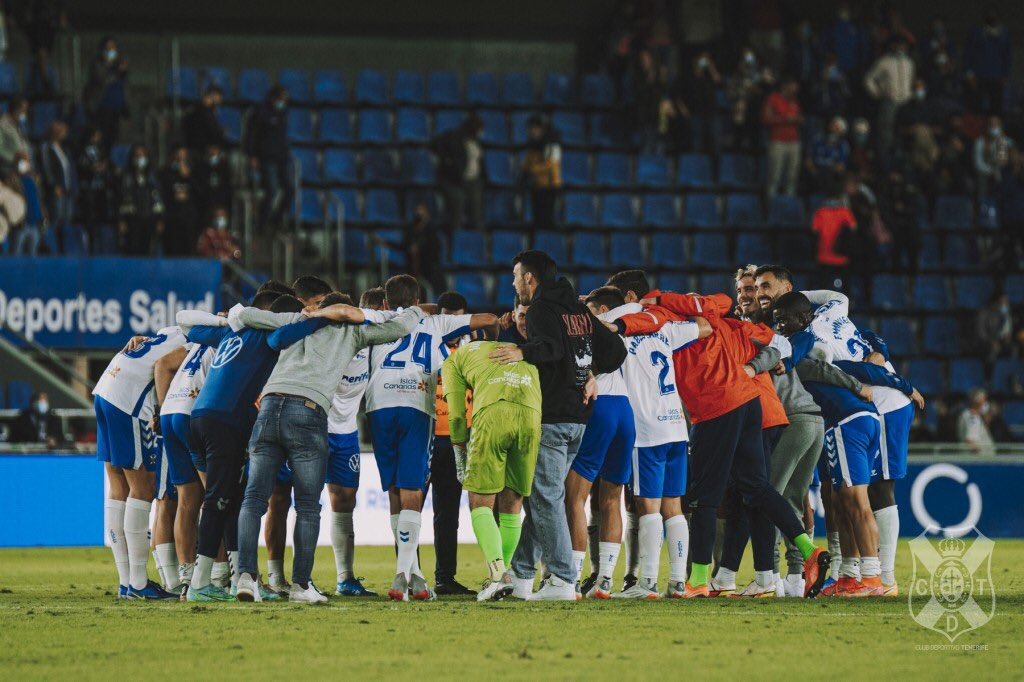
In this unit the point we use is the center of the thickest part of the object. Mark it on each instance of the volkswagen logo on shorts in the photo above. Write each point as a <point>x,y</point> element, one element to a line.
<point>353,462</point>
<point>227,351</point>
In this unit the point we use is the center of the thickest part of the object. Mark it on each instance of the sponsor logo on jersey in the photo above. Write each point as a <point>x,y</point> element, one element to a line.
<point>227,351</point>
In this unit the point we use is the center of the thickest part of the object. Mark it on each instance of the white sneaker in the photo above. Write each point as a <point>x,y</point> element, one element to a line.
<point>602,589</point>
<point>496,590</point>
<point>522,587</point>
<point>642,589</point>
<point>793,585</point>
<point>310,595</point>
<point>555,589</point>
<point>756,591</point>
<point>248,589</point>
<point>780,588</point>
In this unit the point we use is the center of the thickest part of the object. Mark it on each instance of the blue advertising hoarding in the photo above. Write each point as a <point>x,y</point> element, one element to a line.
<point>98,302</point>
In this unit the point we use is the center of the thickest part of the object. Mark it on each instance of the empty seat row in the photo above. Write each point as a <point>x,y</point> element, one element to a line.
<point>935,292</point>
<point>935,377</point>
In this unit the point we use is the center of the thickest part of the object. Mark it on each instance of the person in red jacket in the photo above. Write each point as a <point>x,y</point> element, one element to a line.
<point>726,439</point>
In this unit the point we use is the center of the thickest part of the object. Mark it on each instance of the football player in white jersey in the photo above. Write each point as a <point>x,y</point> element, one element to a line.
<point>400,408</point>
<point>123,400</point>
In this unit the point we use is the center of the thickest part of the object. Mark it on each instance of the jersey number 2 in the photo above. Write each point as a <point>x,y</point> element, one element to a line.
<point>146,345</point>
<point>658,359</point>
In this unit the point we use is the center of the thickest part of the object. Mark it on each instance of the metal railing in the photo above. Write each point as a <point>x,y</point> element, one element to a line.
<point>283,263</point>
<point>74,374</point>
<point>339,240</point>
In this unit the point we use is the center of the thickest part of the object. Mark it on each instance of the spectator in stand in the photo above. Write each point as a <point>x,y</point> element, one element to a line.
<point>874,237</point>
<point>200,125</point>
<point>765,21</point>
<point>12,206</point>
<point>828,156</point>
<point>890,82</point>
<point>945,84</point>
<point>35,423</point>
<point>216,241</point>
<point>620,44</point>
<point>701,85</point>
<point>28,237</point>
<point>746,91</point>
<point>833,223</point>
<point>903,203</point>
<point>991,156</point>
<point>862,156</point>
<point>953,173</point>
<point>997,426</point>
<point>782,116</point>
<point>892,28</point>
<point>972,426</point>
<point>805,55</point>
<point>650,90</point>
<point>141,213</point>
<point>987,63</point>
<point>424,250</point>
<point>106,92</point>
<point>213,181</point>
<point>1011,210</point>
<point>830,90</point>
<point>14,130</point>
<point>181,208</point>
<point>270,155</point>
<point>542,171</point>
<point>95,186</point>
<point>920,122</point>
<point>59,177</point>
<point>994,327</point>
<point>847,39</point>
<point>42,20</point>
<point>936,43</point>
<point>460,174</point>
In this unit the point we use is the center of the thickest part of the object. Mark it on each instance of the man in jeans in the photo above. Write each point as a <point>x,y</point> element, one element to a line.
<point>292,427</point>
<point>568,345</point>
<point>781,115</point>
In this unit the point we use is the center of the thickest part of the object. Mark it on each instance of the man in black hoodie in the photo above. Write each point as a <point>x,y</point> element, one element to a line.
<point>568,345</point>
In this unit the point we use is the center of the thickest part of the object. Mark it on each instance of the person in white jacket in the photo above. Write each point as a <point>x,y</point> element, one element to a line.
<point>890,80</point>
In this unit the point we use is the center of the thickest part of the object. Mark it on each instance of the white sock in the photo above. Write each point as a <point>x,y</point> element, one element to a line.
<point>275,571</point>
<point>870,567</point>
<point>221,574</point>
<point>631,542</point>
<point>609,557</point>
<point>726,578</point>
<point>167,563</point>
<point>851,568</point>
<point>677,536</point>
<point>649,538</point>
<point>185,573</point>
<point>593,540</point>
<point>577,564</point>
<point>408,532</point>
<point>835,549</point>
<point>136,536</point>
<point>113,513</point>
<point>888,521</point>
<point>233,566</point>
<point>343,540</point>
<point>765,579</point>
<point>201,576</point>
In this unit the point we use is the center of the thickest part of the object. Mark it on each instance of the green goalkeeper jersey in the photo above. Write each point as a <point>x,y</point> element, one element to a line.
<point>470,368</point>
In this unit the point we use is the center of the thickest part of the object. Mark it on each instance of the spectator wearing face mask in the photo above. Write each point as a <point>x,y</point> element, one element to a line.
<point>200,125</point>
<point>944,82</point>
<point>216,241</point>
<point>95,188</point>
<point>862,153</point>
<point>830,90</point>
<point>542,171</point>
<point>991,156</point>
<point>141,211</point>
<point>26,239</point>
<point>936,42</point>
<point>890,81</point>
<point>13,130</point>
<point>106,92</point>
<point>177,182</point>
<point>746,90</point>
<point>995,327</point>
<point>848,40</point>
<point>972,426</point>
<point>269,155</point>
<point>828,156</point>
<point>35,423</point>
<point>987,62</point>
<point>213,180</point>
<point>700,86</point>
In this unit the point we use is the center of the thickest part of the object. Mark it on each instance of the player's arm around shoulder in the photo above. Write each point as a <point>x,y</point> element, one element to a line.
<point>401,325</point>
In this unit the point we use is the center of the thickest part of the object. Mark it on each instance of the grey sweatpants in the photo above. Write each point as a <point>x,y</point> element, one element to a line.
<point>793,462</point>
<point>545,528</point>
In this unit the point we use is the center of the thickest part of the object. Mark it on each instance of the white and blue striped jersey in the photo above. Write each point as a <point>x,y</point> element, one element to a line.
<point>188,380</point>
<point>127,383</point>
<point>612,383</point>
<point>404,373</point>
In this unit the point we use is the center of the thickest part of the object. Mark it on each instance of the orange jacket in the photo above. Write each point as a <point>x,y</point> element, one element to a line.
<point>745,333</point>
<point>441,422</point>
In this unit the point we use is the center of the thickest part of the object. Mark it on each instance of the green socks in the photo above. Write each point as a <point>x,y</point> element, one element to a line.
<point>698,574</point>
<point>511,529</point>
<point>804,544</point>
<point>490,540</point>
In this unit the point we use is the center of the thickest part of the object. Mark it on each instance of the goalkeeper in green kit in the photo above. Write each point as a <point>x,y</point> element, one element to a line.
<point>501,455</point>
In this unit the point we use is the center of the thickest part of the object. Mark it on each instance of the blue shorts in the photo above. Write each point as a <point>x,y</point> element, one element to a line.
<point>607,446</point>
<point>123,440</point>
<point>175,428</point>
<point>402,443</point>
<point>343,463</point>
<point>660,470</point>
<point>815,480</point>
<point>895,441</point>
<point>164,487</point>
<point>852,449</point>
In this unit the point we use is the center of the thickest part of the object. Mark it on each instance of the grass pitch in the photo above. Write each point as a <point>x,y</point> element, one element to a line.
<point>59,619</point>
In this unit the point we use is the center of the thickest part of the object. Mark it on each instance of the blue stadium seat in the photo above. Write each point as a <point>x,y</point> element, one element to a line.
<point>300,126</point>
<point>797,247</point>
<point>611,169</point>
<point>701,210</point>
<point>495,127</point>
<point>448,119</point>
<point>231,119</point>
<point>579,209</point>
<point>517,89</point>
<point>499,208</point>
<point>553,244</point>
<point>557,90</point>
<point>743,210</point>
<point>711,250</point>
<point>668,251</point>
<point>309,165</point>
<point>19,395</point>
<point>694,171</point>
<point>1007,376</point>
<point>1013,413</point>
<point>659,210</point>
<point>329,87</point>
<point>784,211</point>
<point>374,126</point>
<point>411,125</point>
<point>185,86</point>
<point>472,286</point>
<point>927,376</point>
<point>930,293</point>
<point>588,251</point>
<point>966,374</point>
<point>418,167</point>
<point>954,212</point>
<point>929,256</point>
<point>504,247</point>
<point>349,201</point>
<point>382,207</point>
<point>941,336</point>
<point>408,87</point>
<point>588,281</point>
<point>1013,285</point>
<point>498,166</point>
<point>517,121</point>
<point>340,167</point>
<point>219,76</point>
<point>617,211</point>
<point>571,127</point>
<point>335,126</point>
<point>311,207</point>
<point>482,88</point>
<point>899,336</point>
<point>388,242</point>
<point>43,114</point>
<point>652,170</point>
<point>253,85</point>
<point>379,167</point>
<point>575,169</point>
<point>753,247</point>
<point>119,155</point>
<point>608,130</point>
<point>371,87</point>
<point>626,250</point>
<point>357,252</point>
<point>961,253</point>
<point>675,281</point>
<point>716,283</point>
<point>296,82</point>
<point>9,80</point>
<point>973,291</point>
<point>75,241</point>
<point>738,171</point>
<point>597,91</point>
<point>443,88</point>
<point>468,248</point>
<point>888,292</point>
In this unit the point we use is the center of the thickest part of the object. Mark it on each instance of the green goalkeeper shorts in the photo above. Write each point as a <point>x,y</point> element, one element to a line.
<point>502,452</point>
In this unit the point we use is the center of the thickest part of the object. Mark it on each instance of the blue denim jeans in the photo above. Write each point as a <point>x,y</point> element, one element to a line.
<point>294,430</point>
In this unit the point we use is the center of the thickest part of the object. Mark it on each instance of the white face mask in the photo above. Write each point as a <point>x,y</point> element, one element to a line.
<point>42,407</point>
<point>111,55</point>
<point>23,166</point>
<point>220,222</point>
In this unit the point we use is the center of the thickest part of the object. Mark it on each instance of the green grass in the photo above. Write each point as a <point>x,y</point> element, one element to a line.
<point>59,619</point>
